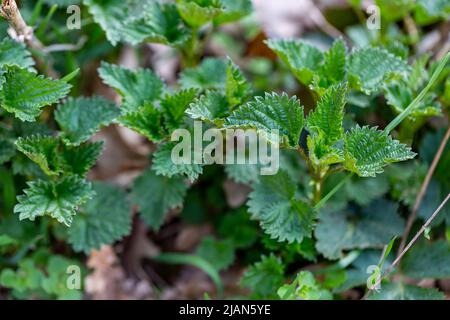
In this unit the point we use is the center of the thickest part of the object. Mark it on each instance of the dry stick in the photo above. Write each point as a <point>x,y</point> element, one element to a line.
<point>410,244</point>
<point>22,32</point>
<point>422,191</point>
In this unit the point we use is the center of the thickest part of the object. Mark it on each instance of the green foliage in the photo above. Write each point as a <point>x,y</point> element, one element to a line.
<point>368,150</point>
<point>339,230</point>
<point>14,54</point>
<point>136,87</point>
<point>58,200</point>
<point>264,277</point>
<point>25,93</point>
<point>220,253</point>
<point>304,287</point>
<point>156,195</point>
<point>281,212</point>
<point>102,220</point>
<point>81,118</point>
<point>271,112</point>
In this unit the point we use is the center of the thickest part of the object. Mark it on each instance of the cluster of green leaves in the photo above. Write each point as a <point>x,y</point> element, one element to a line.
<point>288,206</point>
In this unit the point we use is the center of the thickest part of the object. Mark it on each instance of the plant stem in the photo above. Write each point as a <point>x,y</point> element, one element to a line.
<point>322,202</point>
<point>422,191</point>
<point>394,123</point>
<point>410,244</point>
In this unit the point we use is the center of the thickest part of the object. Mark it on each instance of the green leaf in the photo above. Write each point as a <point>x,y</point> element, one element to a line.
<point>233,10</point>
<point>210,74</point>
<point>428,11</point>
<point>327,118</point>
<point>400,291</point>
<point>137,87</point>
<point>368,151</point>
<point>370,68</point>
<point>24,93</point>
<point>373,226</point>
<point>427,260</point>
<point>163,164</point>
<point>220,253</point>
<point>302,58</point>
<point>212,107</point>
<point>156,195</point>
<point>80,118</point>
<point>155,22</point>
<point>13,53</point>
<point>7,149</point>
<point>237,87</point>
<point>110,15</point>
<point>58,200</point>
<point>55,283</point>
<point>281,213</point>
<point>43,151</point>
<point>102,220</point>
<point>264,277</point>
<point>27,276</point>
<point>272,112</point>
<point>334,67</point>
<point>174,107</point>
<point>304,287</point>
<point>196,13</point>
<point>399,96</point>
<point>79,160</point>
<point>147,121</point>
<point>242,237</point>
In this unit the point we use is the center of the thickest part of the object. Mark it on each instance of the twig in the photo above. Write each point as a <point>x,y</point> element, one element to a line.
<point>405,250</point>
<point>21,32</point>
<point>422,191</point>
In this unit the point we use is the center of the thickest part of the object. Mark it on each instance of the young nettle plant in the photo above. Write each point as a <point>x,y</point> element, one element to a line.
<point>182,24</point>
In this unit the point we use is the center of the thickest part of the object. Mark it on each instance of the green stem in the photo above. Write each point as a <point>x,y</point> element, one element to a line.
<point>394,123</point>
<point>324,200</point>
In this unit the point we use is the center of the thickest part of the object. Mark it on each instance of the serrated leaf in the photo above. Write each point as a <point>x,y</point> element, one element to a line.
<point>210,74</point>
<point>163,164</point>
<point>13,53</point>
<point>370,68</point>
<point>400,291</point>
<point>427,260</point>
<point>43,151</point>
<point>147,121</point>
<point>212,107</point>
<point>327,118</point>
<point>110,15</point>
<point>237,87</point>
<point>137,87</point>
<point>233,10</point>
<point>302,58</point>
<point>155,22</point>
<point>281,213</point>
<point>264,277</point>
<point>400,96</point>
<point>368,151</point>
<point>339,230</point>
<point>24,93</point>
<point>102,220</point>
<point>174,107</point>
<point>80,118</point>
<point>220,253</point>
<point>272,112</point>
<point>156,195</point>
<point>79,160</point>
<point>334,66</point>
<point>304,287</point>
<point>196,13</point>
<point>58,200</point>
